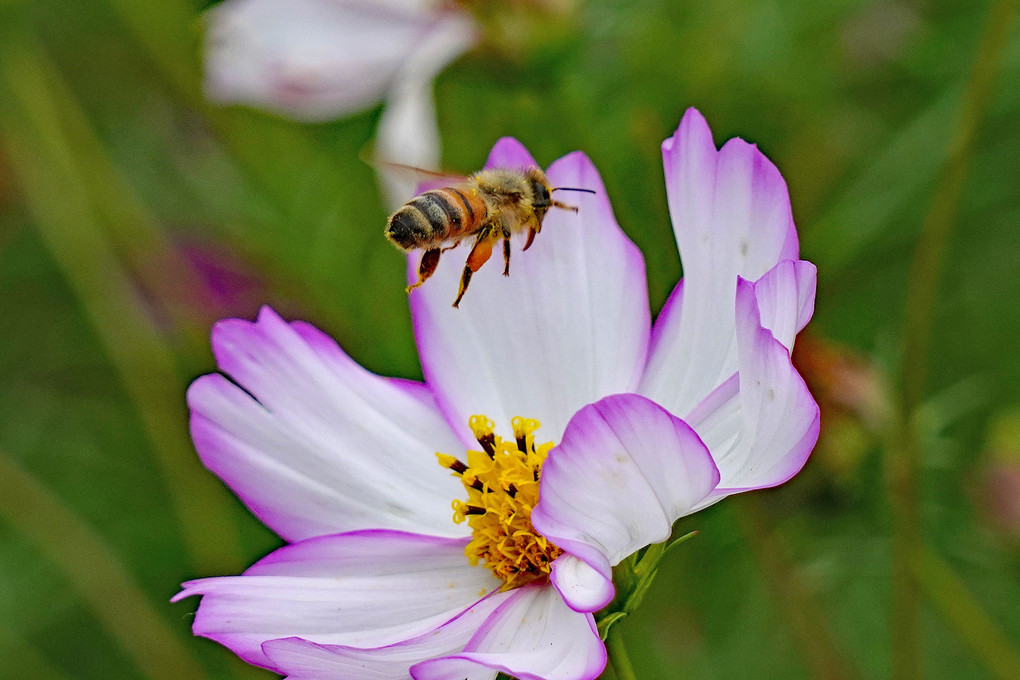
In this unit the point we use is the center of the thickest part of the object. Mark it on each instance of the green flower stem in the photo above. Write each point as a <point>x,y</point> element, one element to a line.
<point>631,578</point>
<point>618,656</point>
<point>905,452</point>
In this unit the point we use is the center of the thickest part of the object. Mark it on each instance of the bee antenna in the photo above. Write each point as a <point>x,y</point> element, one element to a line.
<point>587,191</point>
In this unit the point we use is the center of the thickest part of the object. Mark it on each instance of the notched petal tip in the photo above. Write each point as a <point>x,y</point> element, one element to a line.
<point>692,127</point>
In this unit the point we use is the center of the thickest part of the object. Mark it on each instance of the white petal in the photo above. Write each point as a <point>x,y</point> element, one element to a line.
<point>786,299</point>
<point>533,635</point>
<point>731,215</point>
<point>315,444</point>
<point>300,659</point>
<point>583,587</point>
<point>625,471</point>
<point>761,436</point>
<point>311,59</point>
<point>364,589</point>
<point>568,326</point>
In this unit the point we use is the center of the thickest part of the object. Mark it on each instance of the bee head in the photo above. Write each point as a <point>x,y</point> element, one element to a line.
<point>541,192</point>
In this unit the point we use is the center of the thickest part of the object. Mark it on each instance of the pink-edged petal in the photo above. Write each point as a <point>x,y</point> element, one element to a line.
<point>363,589</point>
<point>669,316</point>
<point>532,636</point>
<point>625,470</point>
<point>301,659</point>
<point>786,299</point>
<point>315,444</point>
<point>568,326</point>
<point>507,152</point>
<point>312,59</point>
<point>731,216</point>
<point>583,587</point>
<point>761,425</point>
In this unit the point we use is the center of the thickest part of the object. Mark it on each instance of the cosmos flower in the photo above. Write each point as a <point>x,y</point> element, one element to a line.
<point>317,60</point>
<point>570,433</point>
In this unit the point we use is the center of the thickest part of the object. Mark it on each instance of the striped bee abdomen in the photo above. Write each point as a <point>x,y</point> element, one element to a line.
<point>434,217</point>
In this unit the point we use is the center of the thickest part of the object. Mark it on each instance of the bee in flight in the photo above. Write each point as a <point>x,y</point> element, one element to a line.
<point>488,206</point>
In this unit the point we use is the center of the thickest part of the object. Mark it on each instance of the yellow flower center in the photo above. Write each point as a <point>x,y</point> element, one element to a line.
<point>502,486</point>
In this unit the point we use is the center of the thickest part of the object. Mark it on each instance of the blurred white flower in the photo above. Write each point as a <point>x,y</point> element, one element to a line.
<point>315,60</point>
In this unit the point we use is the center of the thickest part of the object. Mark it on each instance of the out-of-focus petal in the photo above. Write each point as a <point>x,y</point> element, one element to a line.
<point>731,215</point>
<point>508,152</point>
<point>568,326</point>
<point>532,636</point>
<point>363,589</point>
<point>761,425</point>
<point>625,470</point>
<point>300,659</point>
<point>312,59</point>
<point>315,444</point>
<point>408,133</point>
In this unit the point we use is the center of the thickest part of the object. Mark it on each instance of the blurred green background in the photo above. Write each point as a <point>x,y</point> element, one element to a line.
<point>133,214</point>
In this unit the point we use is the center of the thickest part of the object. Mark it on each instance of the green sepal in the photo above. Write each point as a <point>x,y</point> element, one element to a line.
<point>632,578</point>
<point>605,622</point>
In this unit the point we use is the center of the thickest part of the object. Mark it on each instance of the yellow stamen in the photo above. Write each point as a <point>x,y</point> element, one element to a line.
<point>502,487</point>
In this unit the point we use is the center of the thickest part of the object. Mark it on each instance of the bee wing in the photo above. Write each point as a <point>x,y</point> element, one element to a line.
<point>424,175</point>
<point>425,180</point>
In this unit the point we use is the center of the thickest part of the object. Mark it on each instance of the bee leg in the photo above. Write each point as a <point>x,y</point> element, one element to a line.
<point>531,238</point>
<point>480,254</point>
<point>429,262</point>
<point>571,208</point>
<point>506,252</point>
<point>449,247</point>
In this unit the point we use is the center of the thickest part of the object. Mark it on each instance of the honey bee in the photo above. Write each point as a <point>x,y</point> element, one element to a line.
<point>488,206</point>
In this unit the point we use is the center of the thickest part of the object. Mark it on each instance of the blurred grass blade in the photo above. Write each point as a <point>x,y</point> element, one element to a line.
<point>938,223</point>
<point>302,173</point>
<point>151,256</point>
<point>169,31</point>
<point>31,663</point>
<point>893,180</point>
<point>46,167</point>
<point>809,631</point>
<point>962,611</point>
<point>101,581</point>
<point>905,453</point>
